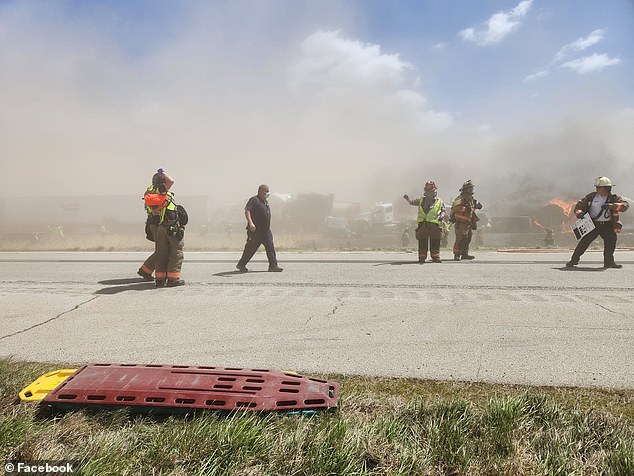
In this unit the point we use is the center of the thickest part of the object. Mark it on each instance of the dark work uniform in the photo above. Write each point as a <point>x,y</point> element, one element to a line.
<point>606,223</point>
<point>261,217</point>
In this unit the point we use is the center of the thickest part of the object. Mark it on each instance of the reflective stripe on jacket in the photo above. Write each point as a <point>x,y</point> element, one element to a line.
<point>463,209</point>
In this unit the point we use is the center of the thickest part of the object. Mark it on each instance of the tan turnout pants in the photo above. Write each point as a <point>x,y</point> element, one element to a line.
<point>169,254</point>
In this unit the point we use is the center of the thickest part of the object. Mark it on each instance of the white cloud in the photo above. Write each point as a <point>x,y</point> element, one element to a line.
<point>534,76</point>
<point>590,64</point>
<point>579,45</point>
<point>582,65</point>
<point>440,46</point>
<point>331,61</point>
<point>339,77</point>
<point>498,26</point>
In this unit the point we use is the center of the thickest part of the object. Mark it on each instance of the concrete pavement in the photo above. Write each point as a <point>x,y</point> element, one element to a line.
<point>505,317</point>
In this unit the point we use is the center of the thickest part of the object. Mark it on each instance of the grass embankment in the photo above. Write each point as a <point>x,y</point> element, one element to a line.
<point>383,426</point>
<point>217,242</point>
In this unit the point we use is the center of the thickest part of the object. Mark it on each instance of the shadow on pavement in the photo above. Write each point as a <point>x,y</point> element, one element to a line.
<point>581,268</point>
<point>138,286</point>
<point>233,273</point>
<point>396,263</point>
<point>399,263</point>
<point>125,281</point>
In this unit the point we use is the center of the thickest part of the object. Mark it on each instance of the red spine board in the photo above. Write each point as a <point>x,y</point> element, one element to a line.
<point>192,387</point>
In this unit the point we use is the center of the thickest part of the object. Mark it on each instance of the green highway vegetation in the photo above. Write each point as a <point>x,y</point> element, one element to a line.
<point>384,426</point>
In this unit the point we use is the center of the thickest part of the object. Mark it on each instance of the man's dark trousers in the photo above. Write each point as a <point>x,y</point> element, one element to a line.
<point>606,231</point>
<point>254,240</point>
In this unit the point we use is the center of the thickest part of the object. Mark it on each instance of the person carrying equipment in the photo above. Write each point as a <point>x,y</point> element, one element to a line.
<point>161,184</point>
<point>170,231</point>
<point>464,217</point>
<point>431,212</point>
<point>604,208</point>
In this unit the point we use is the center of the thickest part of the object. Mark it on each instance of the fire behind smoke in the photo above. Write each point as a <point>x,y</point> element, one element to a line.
<point>557,215</point>
<point>565,205</point>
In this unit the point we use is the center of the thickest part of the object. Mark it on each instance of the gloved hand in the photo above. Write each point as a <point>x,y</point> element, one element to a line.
<point>474,226</point>
<point>477,206</point>
<point>579,214</point>
<point>442,218</point>
<point>406,197</point>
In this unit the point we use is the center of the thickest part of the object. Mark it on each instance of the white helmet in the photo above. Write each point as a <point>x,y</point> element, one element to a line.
<point>603,182</point>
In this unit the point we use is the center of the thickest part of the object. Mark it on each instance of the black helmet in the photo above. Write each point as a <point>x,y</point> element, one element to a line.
<point>158,181</point>
<point>468,185</point>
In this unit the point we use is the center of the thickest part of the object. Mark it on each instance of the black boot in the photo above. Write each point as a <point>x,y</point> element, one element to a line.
<point>144,275</point>
<point>572,263</point>
<point>467,256</point>
<point>160,283</point>
<point>174,282</point>
<point>612,264</point>
<point>456,257</point>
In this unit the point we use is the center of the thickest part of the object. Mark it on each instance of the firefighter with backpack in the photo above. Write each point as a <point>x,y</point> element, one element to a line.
<point>166,224</point>
<point>463,216</point>
<point>161,184</point>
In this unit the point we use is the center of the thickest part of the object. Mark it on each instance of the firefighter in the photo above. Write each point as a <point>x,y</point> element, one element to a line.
<point>161,184</point>
<point>169,238</point>
<point>464,218</point>
<point>604,208</point>
<point>549,240</point>
<point>405,238</point>
<point>431,213</point>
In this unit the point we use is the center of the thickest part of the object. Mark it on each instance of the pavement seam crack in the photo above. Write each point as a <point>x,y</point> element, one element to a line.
<point>337,306</point>
<point>49,320</point>
<point>610,310</point>
<point>479,364</point>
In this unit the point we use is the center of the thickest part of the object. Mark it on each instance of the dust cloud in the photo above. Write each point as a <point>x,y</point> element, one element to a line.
<point>94,101</point>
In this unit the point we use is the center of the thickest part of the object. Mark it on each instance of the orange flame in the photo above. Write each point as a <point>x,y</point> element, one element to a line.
<point>565,205</point>
<point>537,224</point>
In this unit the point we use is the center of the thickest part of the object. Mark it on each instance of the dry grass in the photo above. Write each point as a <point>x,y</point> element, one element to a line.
<point>195,242</point>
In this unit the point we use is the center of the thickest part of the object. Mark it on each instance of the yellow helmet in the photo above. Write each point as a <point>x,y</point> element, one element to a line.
<point>603,182</point>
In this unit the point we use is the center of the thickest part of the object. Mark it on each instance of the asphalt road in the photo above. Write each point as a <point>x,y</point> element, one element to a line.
<point>505,317</point>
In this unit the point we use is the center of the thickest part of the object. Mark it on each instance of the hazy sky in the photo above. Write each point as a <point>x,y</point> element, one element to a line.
<point>367,99</point>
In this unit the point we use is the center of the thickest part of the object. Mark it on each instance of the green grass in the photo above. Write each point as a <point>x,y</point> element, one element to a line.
<point>384,426</point>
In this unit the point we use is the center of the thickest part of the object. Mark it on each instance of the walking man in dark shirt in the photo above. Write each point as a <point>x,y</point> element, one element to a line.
<point>258,215</point>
